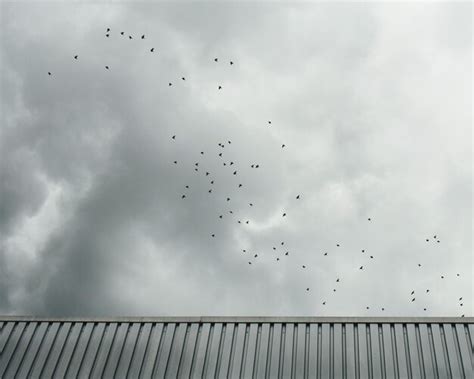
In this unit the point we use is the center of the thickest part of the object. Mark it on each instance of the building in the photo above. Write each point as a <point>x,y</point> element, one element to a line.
<point>236,347</point>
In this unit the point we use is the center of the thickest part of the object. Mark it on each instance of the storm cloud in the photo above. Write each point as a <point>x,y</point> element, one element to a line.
<point>372,101</point>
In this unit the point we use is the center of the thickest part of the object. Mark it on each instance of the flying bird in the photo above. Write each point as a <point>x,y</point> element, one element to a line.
<point>183,78</point>
<point>122,33</point>
<point>182,197</point>
<point>152,49</point>
<point>107,35</point>
<point>173,137</point>
<point>170,84</point>
<point>75,56</point>
<point>49,73</point>
<point>143,36</point>
<point>220,87</point>
<point>107,67</point>
<point>282,146</point>
<point>215,59</point>
<point>108,29</point>
<point>297,197</point>
<point>284,214</point>
<point>129,37</point>
<point>231,63</point>
<point>361,267</point>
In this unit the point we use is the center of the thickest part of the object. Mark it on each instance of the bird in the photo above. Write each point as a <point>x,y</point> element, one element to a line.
<point>412,292</point>
<point>325,254</point>
<point>49,73</point>
<point>442,277</point>
<point>460,298</point>
<point>287,253</point>
<point>175,162</point>
<point>278,259</point>
<point>383,309</point>
<point>371,257</point>
<point>228,199</point>
<point>337,281</point>
<point>250,165</point>
<point>231,163</point>
<point>173,137</point>
<point>213,235</point>
<point>183,78</point>
<point>122,33</point>
<point>427,240</point>
<point>106,67</point>
<point>187,186</point>
<point>210,191</point>
<point>207,174</point>
<point>337,245</point>
<point>107,35</point>
<point>170,84</point>
<point>457,275</point>
<point>215,59</point>
<point>284,214</point>
<point>307,289</point>
<point>419,264</point>
<point>251,204</point>
<point>324,303</point>
<point>274,248</point>
<point>220,216</point>
<point>183,196</point>
<point>282,243</point>
<point>129,37</point>
<point>256,166</point>
<point>220,154</point>
<point>250,263</point>
<point>220,87</point>
<point>212,181</point>
<point>229,142</point>
<point>231,63</point>
<point>412,300</point>
<point>239,222</point>
<point>297,197</point>
<point>367,307</point>
<point>235,172</point>
<point>304,266</point>
<point>108,29</point>
<point>334,290</point>
<point>143,36</point>
<point>361,267</point>
<point>427,291</point>
<point>247,221</point>
<point>75,56</point>
<point>196,164</point>
<point>368,219</point>
<point>269,122</point>
<point>255,256</point>
<point>282,146</point>
<point>152,49</point>
<point>424,309</point>
<point>202,152</point>
<point>363,250</point>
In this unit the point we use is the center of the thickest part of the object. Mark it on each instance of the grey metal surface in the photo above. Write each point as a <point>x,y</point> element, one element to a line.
<point>236,347</point>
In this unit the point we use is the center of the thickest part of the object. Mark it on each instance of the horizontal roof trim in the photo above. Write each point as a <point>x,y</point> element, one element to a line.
<point>250,319</point>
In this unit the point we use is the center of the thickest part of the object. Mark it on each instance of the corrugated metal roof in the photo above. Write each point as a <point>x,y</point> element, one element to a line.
<point>236,347</point>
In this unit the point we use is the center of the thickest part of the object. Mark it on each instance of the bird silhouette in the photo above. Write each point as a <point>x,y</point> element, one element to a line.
<point>361,267</point>
<point>183,196</point>
<point>173,137</point>
<point>287,253</point>
<point>106,67</point>
<point>49,73</point>
<point>213,235</point>
<point>143,36</point>
<point>282,146</point>
<point>183,78</point>
<point>122,33</point>
<point>231,63</point>
<point>75,56</point>
<point>170,84</point>
<point>215,59</point>
<point>129,37</point>
<point>220,87</point>
<point>284,215</point>
<point>152,49</point>
<point>307,289</point>
<point>297,197</point>
<point>107,35</point>
<point>108,29</point>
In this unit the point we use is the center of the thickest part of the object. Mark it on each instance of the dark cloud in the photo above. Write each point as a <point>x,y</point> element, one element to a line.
<point>91,213</point>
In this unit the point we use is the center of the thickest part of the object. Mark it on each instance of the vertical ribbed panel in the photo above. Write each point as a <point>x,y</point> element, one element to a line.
<point>52,349</point>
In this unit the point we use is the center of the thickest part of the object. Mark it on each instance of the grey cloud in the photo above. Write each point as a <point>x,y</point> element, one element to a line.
<point>354,101</point>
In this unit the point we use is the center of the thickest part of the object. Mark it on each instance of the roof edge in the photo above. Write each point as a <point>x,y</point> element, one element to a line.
<point>248,319</point>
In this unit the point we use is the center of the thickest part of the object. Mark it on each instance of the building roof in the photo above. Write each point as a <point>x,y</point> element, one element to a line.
<point>261,347</point>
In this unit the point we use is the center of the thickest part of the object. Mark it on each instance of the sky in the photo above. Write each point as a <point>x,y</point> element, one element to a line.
<point>372,102</point>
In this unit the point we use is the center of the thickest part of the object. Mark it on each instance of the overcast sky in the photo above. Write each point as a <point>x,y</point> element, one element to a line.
<point>373,103</point>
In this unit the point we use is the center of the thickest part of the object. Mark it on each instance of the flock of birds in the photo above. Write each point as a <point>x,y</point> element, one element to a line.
<point>231,165</point>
